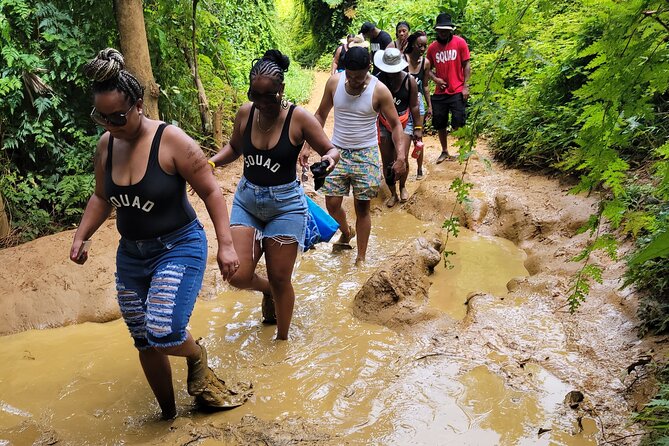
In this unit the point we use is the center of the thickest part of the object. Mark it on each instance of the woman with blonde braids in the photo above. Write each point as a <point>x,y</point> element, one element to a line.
<point>141,169</point>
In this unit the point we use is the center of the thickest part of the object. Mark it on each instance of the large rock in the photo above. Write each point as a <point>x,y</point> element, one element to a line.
<point>396,294</point>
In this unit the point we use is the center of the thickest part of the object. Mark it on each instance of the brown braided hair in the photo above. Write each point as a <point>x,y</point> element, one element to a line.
<point>107,73</point>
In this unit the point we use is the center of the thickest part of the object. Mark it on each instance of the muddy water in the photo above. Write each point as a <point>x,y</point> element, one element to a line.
<point>83,384</point>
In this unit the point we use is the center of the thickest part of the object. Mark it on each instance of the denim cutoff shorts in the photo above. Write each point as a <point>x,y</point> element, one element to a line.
<point>276,212</point>
<point>157,282</point>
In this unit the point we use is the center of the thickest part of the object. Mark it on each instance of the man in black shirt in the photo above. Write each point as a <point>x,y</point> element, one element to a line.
<point>378,39</point>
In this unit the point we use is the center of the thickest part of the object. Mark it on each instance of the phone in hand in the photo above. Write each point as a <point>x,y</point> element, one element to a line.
<point>83,249</point>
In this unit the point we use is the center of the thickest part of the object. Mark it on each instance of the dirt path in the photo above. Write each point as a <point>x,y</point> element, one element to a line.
<point>591,350</point>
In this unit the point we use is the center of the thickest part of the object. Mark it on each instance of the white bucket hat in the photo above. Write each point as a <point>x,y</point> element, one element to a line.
<point>390,60</point>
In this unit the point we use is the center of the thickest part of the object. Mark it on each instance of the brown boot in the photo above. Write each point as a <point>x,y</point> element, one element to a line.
<point>208,389</point>
<point>268,312</point>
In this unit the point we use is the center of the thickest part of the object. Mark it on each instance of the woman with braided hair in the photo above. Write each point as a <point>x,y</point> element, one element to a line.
<point>141,169</point>
<point>269,210</point>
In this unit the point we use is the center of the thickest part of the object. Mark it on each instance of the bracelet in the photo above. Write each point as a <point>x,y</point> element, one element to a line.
<point>418,127</point>
<point>212,164</point>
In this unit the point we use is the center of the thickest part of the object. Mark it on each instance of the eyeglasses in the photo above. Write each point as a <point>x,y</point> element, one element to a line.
<point>266,98</point>
<point>114,119</point>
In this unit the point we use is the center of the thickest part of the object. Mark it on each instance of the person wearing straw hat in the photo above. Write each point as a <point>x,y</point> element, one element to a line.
<point>357,98</point>
<point>340,53</point>
<point>405,96</point>
<point>451,70</point>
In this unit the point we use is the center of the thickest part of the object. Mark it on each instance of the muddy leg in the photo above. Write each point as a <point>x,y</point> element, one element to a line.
<point>363,226</point>
<point>158,372</point>
<point>280,259</point>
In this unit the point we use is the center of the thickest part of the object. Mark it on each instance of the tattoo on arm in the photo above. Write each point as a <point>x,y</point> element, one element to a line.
<point>197,157</point>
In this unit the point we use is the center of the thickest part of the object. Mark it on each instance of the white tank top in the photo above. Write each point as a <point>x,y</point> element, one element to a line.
<point>354,117</point>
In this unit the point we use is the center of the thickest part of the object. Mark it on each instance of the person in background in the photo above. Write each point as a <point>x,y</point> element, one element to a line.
<point>403,88</point>
<point>378,39</point>
<point>269,210</point>
<point>419,67</point>
<point>451,70</point>
<point>402,30</point>
<point>141,169</point>
<point>340,53</point>
<point>357,98</point>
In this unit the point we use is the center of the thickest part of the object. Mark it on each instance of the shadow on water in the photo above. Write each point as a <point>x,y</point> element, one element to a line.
<point>83,384</point>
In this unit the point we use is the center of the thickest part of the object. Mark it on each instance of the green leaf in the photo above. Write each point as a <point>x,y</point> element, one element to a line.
<point>659,247</point>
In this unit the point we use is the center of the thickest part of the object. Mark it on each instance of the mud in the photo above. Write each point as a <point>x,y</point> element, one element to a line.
<point>510,358</point>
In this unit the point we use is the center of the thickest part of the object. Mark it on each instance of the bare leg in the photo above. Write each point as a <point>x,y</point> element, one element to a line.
<point>280,258</point>
<point>419,160</point>
<point>406,143</point>
<point>363,226</point>
<point>158,372</point>
<point>336,211</point>
<point>387,158</point>
<point>249,252</point>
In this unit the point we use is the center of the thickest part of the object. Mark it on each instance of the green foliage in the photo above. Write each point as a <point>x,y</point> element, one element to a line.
<point>45,151</point>
<point>319,26</point>
<point>655,413</point>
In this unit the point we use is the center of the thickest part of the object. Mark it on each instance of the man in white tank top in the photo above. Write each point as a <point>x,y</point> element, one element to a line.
<point>357,99</point>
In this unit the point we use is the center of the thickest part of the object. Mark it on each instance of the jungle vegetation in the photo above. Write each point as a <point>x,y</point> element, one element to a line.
<point>576,88</point>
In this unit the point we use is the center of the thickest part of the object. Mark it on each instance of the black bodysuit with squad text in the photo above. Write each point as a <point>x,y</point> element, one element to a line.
<point>154,206</point>
<point>274,166</point>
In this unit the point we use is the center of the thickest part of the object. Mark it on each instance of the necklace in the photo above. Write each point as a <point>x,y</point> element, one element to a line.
<point>355,95</point>
<point>260,126</point>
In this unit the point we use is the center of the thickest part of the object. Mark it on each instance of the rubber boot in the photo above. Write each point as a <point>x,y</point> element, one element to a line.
<point>268,312</point>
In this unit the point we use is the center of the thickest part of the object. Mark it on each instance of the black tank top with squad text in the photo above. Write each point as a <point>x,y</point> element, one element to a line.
<point>274,166</point>
<point>402,96</point>
<point>154,206</point>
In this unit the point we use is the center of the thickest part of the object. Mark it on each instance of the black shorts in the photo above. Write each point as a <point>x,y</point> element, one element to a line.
<point>442,105</point>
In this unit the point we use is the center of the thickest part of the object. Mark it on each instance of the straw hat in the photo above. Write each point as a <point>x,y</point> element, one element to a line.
<point>360,41</point>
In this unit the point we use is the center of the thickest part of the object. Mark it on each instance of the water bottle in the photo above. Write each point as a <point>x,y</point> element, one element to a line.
<point>417,149</point>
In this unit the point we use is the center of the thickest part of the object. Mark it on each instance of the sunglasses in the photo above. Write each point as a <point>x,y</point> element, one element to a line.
<point>266,98</point>
<point>113,119</point>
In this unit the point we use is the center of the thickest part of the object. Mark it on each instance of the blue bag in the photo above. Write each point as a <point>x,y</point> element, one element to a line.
<point>320,225</point>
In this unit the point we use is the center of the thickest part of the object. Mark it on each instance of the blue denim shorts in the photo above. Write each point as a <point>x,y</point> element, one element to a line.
<point>278,212</point>
<point>157,282</point>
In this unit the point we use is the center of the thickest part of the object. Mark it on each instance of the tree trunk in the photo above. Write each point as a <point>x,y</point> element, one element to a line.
<point>203,103</point>
<point>135,49</point>
<point>191,60</point>
<point>4,219</point>
<point>218,128</point>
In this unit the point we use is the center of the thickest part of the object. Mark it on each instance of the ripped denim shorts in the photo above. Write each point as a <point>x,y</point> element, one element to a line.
<point>157,282</point>
<point>274,211</point>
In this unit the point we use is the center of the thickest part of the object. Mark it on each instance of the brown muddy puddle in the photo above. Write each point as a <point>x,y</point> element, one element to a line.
<point>83,384</point>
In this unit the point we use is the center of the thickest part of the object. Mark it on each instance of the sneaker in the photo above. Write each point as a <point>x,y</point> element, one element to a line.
<point>419,176</point>
<point>392,201</point>
<point>443,157</point>
<point>268,312</point>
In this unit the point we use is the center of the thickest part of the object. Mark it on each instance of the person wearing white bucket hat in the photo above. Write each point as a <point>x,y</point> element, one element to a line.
<point>404,89</point>
<point>449,57</point>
